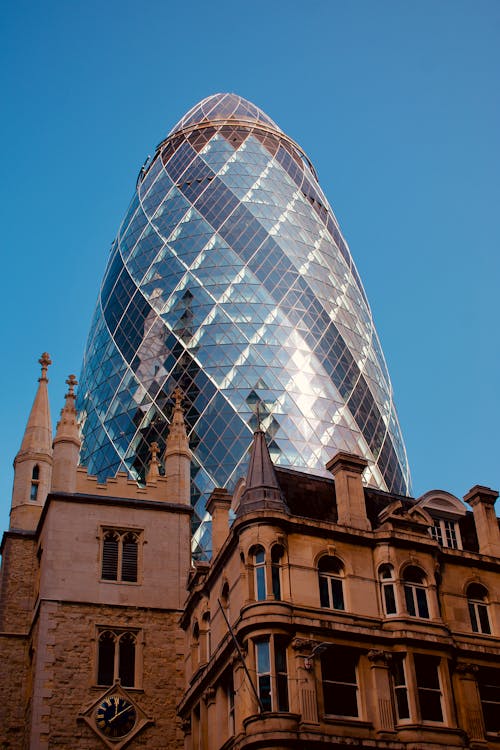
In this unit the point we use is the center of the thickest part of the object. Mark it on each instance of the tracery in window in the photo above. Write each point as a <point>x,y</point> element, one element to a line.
<point>120,554</point>
<point>116,657</point>
<point>477,599</point>
<point>331,591</point>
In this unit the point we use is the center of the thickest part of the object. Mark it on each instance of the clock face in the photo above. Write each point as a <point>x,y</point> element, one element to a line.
<point>115,716</point>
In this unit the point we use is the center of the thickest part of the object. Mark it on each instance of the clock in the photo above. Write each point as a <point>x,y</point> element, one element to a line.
<point>115,716</point>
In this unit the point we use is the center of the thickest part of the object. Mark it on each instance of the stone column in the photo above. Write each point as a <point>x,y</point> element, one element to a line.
<point>305,701</point>
<point>470,715</point>
<point>383,715</point>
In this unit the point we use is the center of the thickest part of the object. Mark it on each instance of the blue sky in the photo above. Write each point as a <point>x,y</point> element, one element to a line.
<point>396,104</point>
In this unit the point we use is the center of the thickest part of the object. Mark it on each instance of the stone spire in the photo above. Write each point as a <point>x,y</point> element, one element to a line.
<point>177,459</point>
<point>66,444</point>
<point>33,463</point>
<point>262,491</point>
<point>154,464</point>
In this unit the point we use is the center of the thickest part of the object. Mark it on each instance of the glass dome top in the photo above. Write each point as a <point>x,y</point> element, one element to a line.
<point>223,108</point>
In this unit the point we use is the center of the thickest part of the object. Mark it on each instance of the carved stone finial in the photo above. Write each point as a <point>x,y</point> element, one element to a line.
<point>71,382</point>
<point>177,395</point>
<point>154,448</point>
<point>45,361</point>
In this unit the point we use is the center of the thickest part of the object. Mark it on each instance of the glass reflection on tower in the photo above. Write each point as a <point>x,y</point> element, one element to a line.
<point>230,278</point>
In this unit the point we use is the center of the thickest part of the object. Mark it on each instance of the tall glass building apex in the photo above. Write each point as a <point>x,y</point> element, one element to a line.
<point>230,277</point>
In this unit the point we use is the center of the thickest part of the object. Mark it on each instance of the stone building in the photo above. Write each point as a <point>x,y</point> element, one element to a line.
<point>331,614</point>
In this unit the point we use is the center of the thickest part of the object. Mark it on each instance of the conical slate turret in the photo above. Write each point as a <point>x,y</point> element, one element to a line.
<point>230,278</point>
<point>262,491</point>
<point>33,462</point>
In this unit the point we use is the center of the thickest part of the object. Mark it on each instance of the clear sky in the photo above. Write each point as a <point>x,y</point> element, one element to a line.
<point>397,105</point>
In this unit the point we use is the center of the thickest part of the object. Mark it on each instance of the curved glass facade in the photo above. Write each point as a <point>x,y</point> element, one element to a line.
<point>230,277</point>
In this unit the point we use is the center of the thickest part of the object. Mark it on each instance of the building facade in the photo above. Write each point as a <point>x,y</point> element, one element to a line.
<point>331,614</point>
<point>230,278</point>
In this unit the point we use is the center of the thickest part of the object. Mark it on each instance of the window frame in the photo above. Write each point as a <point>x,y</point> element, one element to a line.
<point>120,572</point>
<point>387,587</point>
<point>271,653</point>
<point>415,594</point>
<point>331,584</point>
<point>446,532</point>
<point>119,636</point>
<point>485,685</point>
<point>426,690</point>
<point>478,609</point>
<point>339,685</point>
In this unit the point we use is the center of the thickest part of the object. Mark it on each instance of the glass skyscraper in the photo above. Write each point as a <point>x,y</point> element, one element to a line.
<point>230,277</point>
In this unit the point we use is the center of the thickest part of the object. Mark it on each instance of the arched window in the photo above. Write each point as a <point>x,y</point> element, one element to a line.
<point>386,578</point>
<point>120,556</point>
<point>414,583</point>
<point>224,595</point>
<point>116,657</point>
<point>477,599</point>
<point>35,481</point>
<point>129,558</point>
<point>259,566</point>
<point>106,666</point>
<point>276,560</point>
<point>331,592</point>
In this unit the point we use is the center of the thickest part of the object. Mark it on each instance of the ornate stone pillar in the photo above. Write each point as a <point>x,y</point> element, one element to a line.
<point>382,704</point>
<point>305,700</point>
<point>470,715</point>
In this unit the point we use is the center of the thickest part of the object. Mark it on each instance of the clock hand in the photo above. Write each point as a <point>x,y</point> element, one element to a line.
<point>124,711</point>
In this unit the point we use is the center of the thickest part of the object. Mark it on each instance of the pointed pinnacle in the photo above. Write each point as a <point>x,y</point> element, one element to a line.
<point>71,382</point>
<point>45,361</point>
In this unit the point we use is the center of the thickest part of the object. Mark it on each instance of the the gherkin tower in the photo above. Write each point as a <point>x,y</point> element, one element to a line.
<point>230,277</point>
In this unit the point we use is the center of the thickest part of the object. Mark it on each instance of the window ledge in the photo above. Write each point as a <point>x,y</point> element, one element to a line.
<point>347,721</point>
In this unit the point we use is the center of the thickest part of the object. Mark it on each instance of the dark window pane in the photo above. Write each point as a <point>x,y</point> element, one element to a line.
<point>410,604</point>
<point>323,592</point>
<point>426,669</point>
<point>261,583</point>
<point>106,665</point>
<point>423,610</point>
<point>127,660</point>
<point>483,618</point>
<point>390,601</point>
<point>265,691</point>
<point>340,699</point>
<point>337,593</point>
<point>402,703</point>
<point>430,705</point>
<point>34,492</point>
<point>473,618</point>
<point>281,674</point>
<point>275,574</point>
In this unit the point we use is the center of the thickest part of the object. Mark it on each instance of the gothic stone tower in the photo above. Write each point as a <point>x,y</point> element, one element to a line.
<point>93,584</point>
